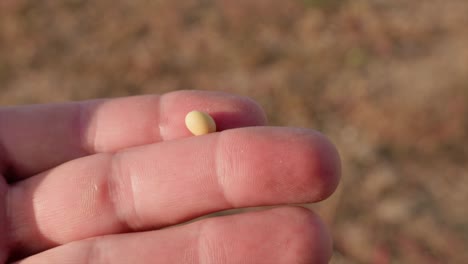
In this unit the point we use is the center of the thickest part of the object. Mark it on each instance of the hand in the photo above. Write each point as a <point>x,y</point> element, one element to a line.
<point>98,182</point>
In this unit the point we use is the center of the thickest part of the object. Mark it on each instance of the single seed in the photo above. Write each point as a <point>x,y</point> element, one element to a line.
<point>200,123</point>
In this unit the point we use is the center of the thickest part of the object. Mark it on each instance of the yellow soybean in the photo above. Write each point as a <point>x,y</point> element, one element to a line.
<point>200,123</point>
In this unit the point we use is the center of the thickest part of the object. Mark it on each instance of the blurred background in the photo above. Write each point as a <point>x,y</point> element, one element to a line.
<point>386,80</point>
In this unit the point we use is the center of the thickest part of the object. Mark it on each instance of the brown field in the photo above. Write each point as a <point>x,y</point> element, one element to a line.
<point>386,80</point>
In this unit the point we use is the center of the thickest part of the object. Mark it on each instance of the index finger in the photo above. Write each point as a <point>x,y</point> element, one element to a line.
<point>37,138</point>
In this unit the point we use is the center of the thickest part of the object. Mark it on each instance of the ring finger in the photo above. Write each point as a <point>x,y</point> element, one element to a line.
<point>281,235</point>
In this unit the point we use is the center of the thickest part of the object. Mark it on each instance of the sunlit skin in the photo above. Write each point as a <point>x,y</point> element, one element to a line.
<point>98,182</point>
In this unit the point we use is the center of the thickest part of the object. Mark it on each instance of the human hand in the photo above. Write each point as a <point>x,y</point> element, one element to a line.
<point>99,182</point>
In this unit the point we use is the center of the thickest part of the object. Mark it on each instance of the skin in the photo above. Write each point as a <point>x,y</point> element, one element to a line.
<point>109,181</point>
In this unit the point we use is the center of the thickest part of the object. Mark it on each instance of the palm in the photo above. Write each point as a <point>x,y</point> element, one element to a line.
<point>97,182</point>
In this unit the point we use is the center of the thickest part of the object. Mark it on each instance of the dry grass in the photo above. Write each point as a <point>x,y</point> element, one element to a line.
<point>386,80</point>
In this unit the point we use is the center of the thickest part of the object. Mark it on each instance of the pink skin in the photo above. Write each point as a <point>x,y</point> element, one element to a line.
<point>83,174</point>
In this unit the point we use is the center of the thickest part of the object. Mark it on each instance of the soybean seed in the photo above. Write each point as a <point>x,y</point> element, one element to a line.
<point>200,123</point>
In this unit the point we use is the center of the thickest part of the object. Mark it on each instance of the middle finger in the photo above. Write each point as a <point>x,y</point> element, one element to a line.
<point>168,183</point>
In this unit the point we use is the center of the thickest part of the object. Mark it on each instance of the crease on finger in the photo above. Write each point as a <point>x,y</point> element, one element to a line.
<point>221,169</point>
<point>95,253</point>
<point>86,131</point>
<point>121,192</point>
<point>162,122</point>
<point>209,250</point>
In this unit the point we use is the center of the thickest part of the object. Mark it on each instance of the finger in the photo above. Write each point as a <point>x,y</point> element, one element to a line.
<point>171,182</point>
<point>282,235</point>
<point>36,138</point>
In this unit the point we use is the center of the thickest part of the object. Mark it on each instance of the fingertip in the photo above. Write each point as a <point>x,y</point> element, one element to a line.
<point>321,238</point>
<point>299,165</point>
<point>228,110</point>
<point>329,165</point>
<point>320,162</point>
<point>244,113</point>
<point>312,240</point>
